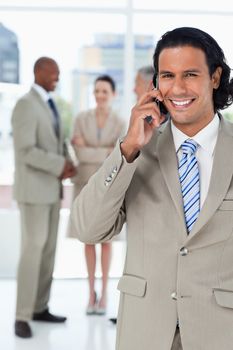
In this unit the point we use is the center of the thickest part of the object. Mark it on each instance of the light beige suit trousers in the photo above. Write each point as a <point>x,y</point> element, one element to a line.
<point>39,224</point>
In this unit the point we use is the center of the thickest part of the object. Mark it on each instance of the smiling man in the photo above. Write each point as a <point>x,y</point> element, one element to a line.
<point>173,186</point>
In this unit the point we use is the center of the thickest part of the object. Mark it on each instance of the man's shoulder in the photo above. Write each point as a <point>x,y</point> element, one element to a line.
<point>227,126</point>
<point>86,113</point>
<point>83,118</point>
<point>27,106</point>
<point>116,115</point>
<point>28,97</point>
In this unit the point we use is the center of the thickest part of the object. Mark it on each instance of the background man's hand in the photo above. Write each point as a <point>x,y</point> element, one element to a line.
<point>68,171</point>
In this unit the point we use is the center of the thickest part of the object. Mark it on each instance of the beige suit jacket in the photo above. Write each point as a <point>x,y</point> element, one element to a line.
<point>39,156</point>
<point>92,156</point>
<point>162,281</point>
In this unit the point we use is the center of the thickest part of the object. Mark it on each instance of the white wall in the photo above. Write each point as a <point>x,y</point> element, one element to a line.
<point>70,260</point>
<point>9,242</point>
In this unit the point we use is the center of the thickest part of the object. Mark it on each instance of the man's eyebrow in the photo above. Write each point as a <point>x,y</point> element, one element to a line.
<point>165,72</point>
<point>193,70</point>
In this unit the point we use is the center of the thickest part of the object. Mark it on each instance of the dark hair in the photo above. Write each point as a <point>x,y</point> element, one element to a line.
<point>42,62</point>
<point>108,79</point>
<point>187,36</point>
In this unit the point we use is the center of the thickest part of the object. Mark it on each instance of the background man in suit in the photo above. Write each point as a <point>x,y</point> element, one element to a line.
<point>40,165</point>
<point>142,81</point>
<point>173,186</point>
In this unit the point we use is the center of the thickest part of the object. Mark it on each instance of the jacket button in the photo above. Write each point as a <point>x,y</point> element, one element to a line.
<point>184,251</point>
<point>174,296</point>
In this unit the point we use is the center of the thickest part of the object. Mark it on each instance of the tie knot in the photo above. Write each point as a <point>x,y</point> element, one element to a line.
<point>189,146</point>
<point>51,102</point>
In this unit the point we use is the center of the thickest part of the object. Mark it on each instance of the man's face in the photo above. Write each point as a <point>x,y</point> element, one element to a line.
<point>187,87</point>
<point>141,86</point>
<point>48,76</point>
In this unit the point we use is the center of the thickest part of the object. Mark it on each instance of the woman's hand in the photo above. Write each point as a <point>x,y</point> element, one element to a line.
<point>78,141</point>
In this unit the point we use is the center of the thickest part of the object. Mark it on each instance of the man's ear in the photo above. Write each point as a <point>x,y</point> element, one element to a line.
<point>216,77</point>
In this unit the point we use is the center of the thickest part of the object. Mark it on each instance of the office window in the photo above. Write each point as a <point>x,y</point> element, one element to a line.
<point>85,45</point>
<point>87,38</point>
<point>183,6</point>
<point>105,4</point>
<point>83,48</point>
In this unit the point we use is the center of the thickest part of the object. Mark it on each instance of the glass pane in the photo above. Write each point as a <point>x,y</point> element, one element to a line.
<point>65,3</point>
<point>84,45</point>
<point>156,24</point>
<point>182,5</point>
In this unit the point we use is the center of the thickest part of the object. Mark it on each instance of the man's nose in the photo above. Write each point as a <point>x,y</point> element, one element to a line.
<point>179,86</point>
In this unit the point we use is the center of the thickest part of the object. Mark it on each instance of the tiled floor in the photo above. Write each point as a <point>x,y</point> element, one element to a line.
<point>80,332</point>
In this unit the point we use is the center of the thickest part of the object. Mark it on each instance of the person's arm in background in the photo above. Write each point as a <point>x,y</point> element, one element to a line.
<point>24,127</point>
<point>84,152</point>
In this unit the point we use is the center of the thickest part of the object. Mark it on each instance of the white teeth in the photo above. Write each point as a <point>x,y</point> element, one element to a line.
<point>181,103</point>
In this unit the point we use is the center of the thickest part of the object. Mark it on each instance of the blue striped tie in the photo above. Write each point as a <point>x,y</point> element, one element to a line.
<point>190,182</point>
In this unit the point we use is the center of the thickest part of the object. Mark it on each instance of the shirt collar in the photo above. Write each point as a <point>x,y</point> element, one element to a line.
<point>206,138</point>
<point>42,92</point>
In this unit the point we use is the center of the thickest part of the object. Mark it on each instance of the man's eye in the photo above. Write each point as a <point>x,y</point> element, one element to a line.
<point>166,76</point>
<point>191,74</point>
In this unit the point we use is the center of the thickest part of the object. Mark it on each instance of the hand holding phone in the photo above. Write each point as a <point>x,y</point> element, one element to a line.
<point>144,119</point>
<point>163,110</point>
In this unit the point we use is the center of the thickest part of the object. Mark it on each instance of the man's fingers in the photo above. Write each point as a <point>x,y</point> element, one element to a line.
<point>149,96</point>
<point>154,120</point>
<point>150,106</point>
<point>150,86</point>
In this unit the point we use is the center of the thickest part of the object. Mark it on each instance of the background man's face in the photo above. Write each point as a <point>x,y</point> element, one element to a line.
<point>141,86</point>
<point>48,76</point>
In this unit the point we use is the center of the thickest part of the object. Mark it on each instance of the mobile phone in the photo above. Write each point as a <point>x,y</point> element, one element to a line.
<point>162,108</point>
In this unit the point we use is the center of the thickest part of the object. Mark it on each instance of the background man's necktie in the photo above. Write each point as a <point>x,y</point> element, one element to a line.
<point>55,116</point>
<point>190,182</point>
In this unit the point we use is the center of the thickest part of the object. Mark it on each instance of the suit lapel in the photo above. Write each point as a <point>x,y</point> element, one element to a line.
<point>48,113</point>
<point>220,178</point>
<point>168,164</point>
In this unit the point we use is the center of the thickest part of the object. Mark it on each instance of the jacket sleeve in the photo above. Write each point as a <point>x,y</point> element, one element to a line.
<point>24,126</point>
<point>98,213</point>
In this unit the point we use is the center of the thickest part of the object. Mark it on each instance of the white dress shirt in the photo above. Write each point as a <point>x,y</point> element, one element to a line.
<point>206,140</point>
